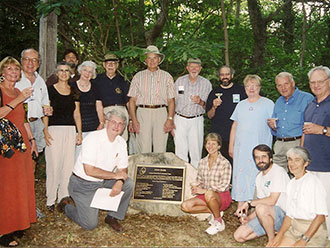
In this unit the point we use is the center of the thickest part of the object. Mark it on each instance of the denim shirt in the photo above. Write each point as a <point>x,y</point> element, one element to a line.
<point>290,114</point>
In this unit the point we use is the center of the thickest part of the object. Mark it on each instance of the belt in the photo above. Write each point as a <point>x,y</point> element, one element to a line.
<point>152,106</point>
<point>288,139</point>
<point>115,105</point>
<point>32,119</point>
<point>188,117</point>
<point>78,176</point>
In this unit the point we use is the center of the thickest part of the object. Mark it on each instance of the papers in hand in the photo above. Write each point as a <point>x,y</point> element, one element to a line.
<point>102,200</point>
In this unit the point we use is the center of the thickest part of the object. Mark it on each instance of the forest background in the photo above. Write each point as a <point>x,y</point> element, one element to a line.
<point>261,37</point>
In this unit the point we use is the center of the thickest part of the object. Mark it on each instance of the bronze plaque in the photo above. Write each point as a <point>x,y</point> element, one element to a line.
<point>159,183</point>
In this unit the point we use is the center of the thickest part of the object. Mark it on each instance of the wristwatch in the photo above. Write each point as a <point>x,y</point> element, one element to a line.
<point>305,238</point>
<point>325,130</point>
<point>170,118</point>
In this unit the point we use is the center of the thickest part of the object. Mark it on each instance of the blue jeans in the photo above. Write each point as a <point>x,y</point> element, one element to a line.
<point>82,193</point>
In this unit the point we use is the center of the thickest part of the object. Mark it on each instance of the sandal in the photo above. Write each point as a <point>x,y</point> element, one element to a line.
<point>8,240</point>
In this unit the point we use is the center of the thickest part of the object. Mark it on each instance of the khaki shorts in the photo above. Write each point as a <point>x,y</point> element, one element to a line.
<point>299,227</point>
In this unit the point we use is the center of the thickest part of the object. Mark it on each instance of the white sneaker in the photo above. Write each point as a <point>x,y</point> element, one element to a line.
<point>212,217</point>
<point>216,227</point>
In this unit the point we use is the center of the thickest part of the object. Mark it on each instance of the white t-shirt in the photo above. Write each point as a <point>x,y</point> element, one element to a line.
<point>275,181</point>
<point>306,198</point>
<point>98,151</point>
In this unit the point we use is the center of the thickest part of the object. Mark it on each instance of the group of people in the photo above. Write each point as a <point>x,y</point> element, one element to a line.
<point>80,120</point>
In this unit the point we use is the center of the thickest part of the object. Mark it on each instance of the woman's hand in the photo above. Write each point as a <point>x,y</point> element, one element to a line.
<point>79,139</point>
<point>195,190</point>
<point>27,92</point>
<point>47,137</point>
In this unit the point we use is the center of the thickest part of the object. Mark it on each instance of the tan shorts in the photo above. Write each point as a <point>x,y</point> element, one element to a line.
<point>299,227</point>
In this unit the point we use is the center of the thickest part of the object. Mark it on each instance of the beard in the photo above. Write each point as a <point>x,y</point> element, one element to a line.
<point>265,167</point>
<point>226,83</point>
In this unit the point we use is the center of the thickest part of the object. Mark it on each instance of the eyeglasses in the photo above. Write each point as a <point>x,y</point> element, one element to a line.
<point>115,123</point>
<point>318,82</point>
<point>33,60</point>
<point>111,63</point>
<point>224,74</point>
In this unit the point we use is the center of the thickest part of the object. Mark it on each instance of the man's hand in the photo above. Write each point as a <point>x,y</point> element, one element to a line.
<point>120,174</point>
<point>217,102</point>
<point>195,99</point>
<point>245,207</point>
<point>275,241</point>
<point>136,126</point>
<point>169,126</point>
<point>116,188</point>
<point>47,138</point>
<point>312,128</point>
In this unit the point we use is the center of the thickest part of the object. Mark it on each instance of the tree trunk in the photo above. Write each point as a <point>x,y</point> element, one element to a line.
<point>223,14</point>
<point>48,44</point>
<point>288,25</point>
<point>117,24</point>
<point>303,48</point>
<point>259,26</point>
<point>237,15</point>
<point>156,30</point>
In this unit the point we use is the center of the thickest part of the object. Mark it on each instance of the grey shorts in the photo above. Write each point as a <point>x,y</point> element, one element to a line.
<point>257,227</point>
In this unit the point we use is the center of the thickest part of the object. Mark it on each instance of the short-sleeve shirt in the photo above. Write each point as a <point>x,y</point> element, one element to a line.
<point>152,88</point>
<point>306,198</point>
<point>275,181</point>
<point>99,152</point>
<point>290,114</point>
<point>89,117</point>
<point>318,145</point>
<point>111,91</point>
<point>63,108</point>
<point>39,96</point>
<point>221,122</point>
<point>185,89</point>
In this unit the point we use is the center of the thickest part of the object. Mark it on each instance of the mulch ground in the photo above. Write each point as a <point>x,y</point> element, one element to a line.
<point>56,230</point>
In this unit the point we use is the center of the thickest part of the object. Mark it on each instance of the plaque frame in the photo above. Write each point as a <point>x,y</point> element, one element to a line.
<point>161,166</point>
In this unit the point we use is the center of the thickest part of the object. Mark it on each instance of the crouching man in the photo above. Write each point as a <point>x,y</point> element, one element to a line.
<point>102,152</point>
<point>270,199</point>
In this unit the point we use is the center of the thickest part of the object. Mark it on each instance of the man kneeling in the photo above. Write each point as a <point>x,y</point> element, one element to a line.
<point>102,152</point>
<point>271,199</point>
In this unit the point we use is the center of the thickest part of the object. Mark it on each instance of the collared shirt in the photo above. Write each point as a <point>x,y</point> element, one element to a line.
<point>97,150</point>
<point>185,89</point>
<point>152,88</point>
<point>290,114</point>
<point>39,96</point>
<point>111,91</point>
<point>217,177</point>
<point>318,145</point>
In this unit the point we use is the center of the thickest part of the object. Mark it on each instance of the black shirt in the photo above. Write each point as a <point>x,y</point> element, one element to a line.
<point>89,118</point>
<point>63,108</point>
<point>111,91</point>
<point>221,123</point>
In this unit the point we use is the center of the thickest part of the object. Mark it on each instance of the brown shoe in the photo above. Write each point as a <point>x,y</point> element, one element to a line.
<point>60,207</point>
<point>114,224</point>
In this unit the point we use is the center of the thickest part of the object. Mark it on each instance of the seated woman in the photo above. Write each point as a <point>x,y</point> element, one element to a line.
<point>212,185</point>
<point>304,223</point>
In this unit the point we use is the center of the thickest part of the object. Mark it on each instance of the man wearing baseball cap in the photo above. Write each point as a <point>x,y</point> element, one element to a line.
<point>112,89</point>
<point>152,104</point>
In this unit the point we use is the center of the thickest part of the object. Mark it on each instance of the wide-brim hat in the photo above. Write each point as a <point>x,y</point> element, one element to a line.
<point>154,49</point>
<point>110,57</point>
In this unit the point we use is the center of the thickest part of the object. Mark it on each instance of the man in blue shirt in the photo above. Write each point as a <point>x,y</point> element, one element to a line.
<point>316,137</point>
<point>288,117</point>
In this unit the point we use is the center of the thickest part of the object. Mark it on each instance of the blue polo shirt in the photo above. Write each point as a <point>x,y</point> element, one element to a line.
<point>290,114</point>
<point>318,145</point>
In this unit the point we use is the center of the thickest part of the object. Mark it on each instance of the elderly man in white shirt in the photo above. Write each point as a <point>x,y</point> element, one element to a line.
<point>101,163</point>
<point>30,78</point>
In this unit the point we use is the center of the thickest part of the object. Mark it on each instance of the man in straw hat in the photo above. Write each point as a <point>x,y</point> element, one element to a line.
<point>152,90</point>
<point>112,89</point>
